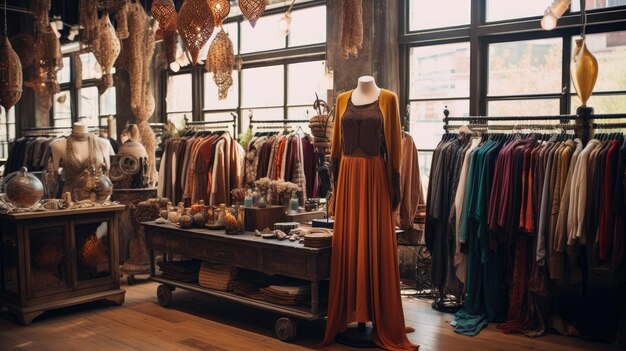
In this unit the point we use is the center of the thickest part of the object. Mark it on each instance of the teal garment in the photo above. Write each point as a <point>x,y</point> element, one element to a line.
<point>472,318</point>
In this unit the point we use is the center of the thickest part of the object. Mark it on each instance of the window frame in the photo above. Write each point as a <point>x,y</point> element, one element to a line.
<point>283,56</point>
<point>480,34</point>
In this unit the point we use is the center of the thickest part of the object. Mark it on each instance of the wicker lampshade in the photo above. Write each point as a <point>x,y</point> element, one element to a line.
<point>252,10</point>
<point>10,75</point>
<point>40,9</point>
<point>49,60</point>
<point>195,24</point>
<point>220,62</point>
<point>106,48</point>
<point>24,46</point>
<point>78,68</point>
<point>220,9</point>
<point>163,11</point>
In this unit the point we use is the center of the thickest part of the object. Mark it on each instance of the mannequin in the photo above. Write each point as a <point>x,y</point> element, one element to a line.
<point>366,91</point>
<point>364,273</point>
<point>80,145</point>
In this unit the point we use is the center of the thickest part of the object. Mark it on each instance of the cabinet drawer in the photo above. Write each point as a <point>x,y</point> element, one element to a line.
<point>239,255</point>
<point>279,262</point>
<point>166,242</point>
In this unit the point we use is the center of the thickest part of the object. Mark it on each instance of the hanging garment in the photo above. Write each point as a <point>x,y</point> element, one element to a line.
<point>364,277</point>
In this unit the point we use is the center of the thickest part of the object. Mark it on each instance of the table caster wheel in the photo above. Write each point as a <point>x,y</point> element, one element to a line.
<point>164,295</point>
<point>286,329</point>
<point>130,279</point>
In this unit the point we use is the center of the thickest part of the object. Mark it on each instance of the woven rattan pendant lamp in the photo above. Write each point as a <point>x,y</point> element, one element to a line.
<point>10,71</point>
<point>220,62</point>
<point>195,25</point>
<point>252,10</point>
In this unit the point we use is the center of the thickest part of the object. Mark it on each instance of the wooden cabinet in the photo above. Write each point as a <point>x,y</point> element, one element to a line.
<point>56,259</point>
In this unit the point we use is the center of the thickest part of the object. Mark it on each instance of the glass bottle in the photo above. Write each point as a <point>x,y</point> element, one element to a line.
<point>256,194</point>
<point>294,203</point>
<point>262,202</point>
<point>247,200</point>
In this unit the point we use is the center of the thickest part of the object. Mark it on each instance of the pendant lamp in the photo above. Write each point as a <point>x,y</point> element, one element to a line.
<point>122,22</point>
<point>220,9</point>
<point>195,25</point>
<point>163,11</point>
<point>584,67</point>
<point>220,62</point>
<point>252,10</point>
<point>106,48</point>
<point>88,19</point>
<point>49,60</point>
<point>10,71</point>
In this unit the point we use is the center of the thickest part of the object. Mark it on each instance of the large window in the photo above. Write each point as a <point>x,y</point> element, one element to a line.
<point>276,76</point>
<point>85,104</point>
<point>491,57</point>
<point>7,130</point>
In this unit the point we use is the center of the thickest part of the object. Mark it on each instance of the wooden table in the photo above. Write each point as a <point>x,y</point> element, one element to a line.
<point>269,256</point>
<point>54,259</point>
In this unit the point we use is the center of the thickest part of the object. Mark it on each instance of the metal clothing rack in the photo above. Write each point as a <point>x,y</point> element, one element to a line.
<point>52,131</point>
<point>224,124</point>
<point>286,123</point>
<point>583,126</point>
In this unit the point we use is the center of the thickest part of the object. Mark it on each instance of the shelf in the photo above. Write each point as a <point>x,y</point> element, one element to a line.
<point>291,311</point>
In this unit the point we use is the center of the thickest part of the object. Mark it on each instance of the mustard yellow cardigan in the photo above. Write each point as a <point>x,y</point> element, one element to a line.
<point>388,102</point>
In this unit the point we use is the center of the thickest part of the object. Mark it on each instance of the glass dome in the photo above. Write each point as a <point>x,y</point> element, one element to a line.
<point>92,185</point>
<point>22,189</point>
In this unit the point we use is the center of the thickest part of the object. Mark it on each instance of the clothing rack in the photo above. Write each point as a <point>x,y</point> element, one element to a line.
<point>285,123</point>
<point>215,125</point>
<point>52,131</point>
<point>583,126</point>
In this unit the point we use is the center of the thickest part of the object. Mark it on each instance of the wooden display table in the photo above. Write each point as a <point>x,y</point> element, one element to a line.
<point>269,256</point>
<point>55,259</point>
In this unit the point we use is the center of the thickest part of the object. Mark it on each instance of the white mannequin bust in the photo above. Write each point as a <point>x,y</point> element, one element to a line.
<point>82,149</point>
<point>366,91</point>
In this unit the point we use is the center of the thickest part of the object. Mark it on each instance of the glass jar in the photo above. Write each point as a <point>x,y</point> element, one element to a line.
<point>221,215</point>
<point>256,194</point>
<point>92,185</point>
<point>248,199</point>
<point>23,190</point>
<point>232,222</point>
<point>262,202</point>
<point>294,203</point>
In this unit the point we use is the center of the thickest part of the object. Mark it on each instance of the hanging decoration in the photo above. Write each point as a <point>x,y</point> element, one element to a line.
<point>110,6</point>
<point>106,48</point>
<point>136,58</point>
<point>220,9</point>
<point>169,48</point>
<point>49,60</point>
<point>350,27</point>
<point>220,62</point>
<point>78,68</point>
<point>88,20</point>
<point>284,23</point>
<point>24,46</point>
<point>163,11</point>
<point>584,68</point>
<point>195,24</point>
<point>121,18</point>
<point>40,9</point>
<point>10,71</point>
<point>252,10</point>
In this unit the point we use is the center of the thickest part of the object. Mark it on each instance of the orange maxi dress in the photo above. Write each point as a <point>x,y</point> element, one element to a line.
<point>364,277</point>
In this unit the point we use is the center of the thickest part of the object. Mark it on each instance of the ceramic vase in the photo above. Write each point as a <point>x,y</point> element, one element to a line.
<point>583,71</point>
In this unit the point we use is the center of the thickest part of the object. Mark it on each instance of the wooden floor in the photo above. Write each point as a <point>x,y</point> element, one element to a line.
<point>199,322</point>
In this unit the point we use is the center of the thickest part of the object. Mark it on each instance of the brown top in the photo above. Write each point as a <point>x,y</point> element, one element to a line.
<point>362,130</point>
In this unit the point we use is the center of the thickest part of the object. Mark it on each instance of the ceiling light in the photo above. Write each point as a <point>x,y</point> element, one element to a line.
<point>553,13</point>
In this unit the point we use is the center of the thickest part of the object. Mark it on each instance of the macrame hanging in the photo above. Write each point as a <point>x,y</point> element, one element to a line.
<point>350,27</point>
<point>252,10</point>
<point>24,46</point>
<point>195,24</point>
<point>220,62</point>
<point>220,9</point>
<point>49,60</point>
<point>110,6</point>
<point>88,19</point>
<point>10,71</point>
<point>169,47</point>
<point>163,11</point>
<point>122,22</point>
<point>78,68</point>
<point>40,9</point>
<point>106,48</point>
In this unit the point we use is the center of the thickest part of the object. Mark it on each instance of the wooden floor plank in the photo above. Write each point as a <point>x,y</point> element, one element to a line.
<point>199,322</point>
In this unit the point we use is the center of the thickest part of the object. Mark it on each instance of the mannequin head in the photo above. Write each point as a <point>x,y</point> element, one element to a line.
<point>79,128</point>
<point>366,91</point>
